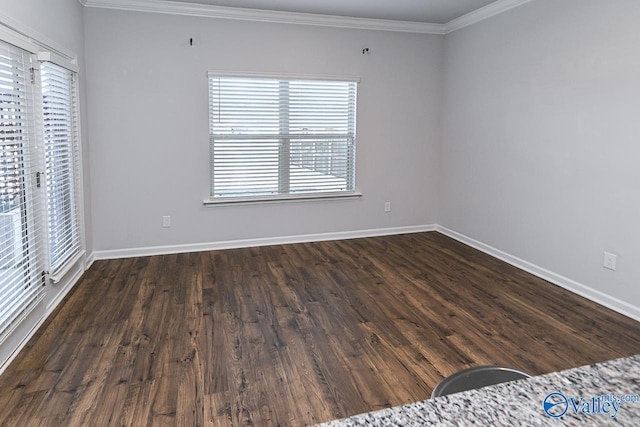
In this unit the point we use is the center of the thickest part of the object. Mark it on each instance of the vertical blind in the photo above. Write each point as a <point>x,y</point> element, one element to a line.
<point>21,261</point>
<point>58,104</point>
<point>271,136</point>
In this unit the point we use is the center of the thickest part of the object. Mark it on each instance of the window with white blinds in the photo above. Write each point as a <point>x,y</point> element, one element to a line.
<point>60,131</point>
<point>21,257</point>
<point>279,137</point>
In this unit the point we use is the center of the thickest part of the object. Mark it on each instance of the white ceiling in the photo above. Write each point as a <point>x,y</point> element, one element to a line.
<point>426,11</point>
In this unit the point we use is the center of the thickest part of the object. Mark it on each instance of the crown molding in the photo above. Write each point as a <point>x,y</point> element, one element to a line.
<point>208,11</point>
<point>223,12</point>
<point>486,12</point>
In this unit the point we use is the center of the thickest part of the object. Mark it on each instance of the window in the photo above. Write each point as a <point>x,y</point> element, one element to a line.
<point>21,260</point>
<point>39,168</point>
<point>58,104</point>
<point>278,138</point>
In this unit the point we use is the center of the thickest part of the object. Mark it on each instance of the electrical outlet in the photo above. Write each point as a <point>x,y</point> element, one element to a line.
<point>166,221</point>
<point>387,206</point>
<point>610,261</point>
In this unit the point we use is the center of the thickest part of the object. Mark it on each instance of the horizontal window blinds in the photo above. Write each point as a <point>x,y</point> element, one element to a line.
<point>58,104</point>
<point>272,136</point>
<point>21,264</point>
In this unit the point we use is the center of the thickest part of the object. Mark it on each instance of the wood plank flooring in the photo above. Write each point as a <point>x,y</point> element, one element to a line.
<point>293,335</point>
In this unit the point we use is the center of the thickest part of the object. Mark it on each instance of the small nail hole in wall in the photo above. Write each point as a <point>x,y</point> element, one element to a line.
<point>365,50</point>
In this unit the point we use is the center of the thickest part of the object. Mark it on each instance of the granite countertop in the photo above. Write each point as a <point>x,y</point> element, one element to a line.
<point>590,395</point>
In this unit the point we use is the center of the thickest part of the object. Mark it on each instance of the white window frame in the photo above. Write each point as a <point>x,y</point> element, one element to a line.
<point>42,49</point>
<point>213,200</point>
<point>23,234</point>
<point>57,271</point>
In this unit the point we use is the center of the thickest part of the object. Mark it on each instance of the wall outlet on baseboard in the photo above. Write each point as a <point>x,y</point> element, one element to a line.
<point>610,260</point>
<point>166,221</point>
<point>387,206</point>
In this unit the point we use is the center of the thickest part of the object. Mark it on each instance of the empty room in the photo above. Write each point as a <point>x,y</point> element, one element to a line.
<point>336,213</point>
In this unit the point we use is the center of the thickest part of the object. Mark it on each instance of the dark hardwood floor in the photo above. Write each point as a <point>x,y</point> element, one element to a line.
<point>294,334</point>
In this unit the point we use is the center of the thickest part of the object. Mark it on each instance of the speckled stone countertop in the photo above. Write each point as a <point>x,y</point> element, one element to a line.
<point>590,395</point>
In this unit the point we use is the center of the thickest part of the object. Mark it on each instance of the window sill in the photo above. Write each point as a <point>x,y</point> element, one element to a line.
<point>239,201</point>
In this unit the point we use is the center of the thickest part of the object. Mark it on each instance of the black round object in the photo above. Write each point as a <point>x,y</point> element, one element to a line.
<point>476,377</point>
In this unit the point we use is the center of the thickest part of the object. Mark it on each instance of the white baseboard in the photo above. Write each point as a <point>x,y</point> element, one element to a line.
<point>594,295</point>
<point>599,297</point>
<point>89,260</point>
<point>234,244</point>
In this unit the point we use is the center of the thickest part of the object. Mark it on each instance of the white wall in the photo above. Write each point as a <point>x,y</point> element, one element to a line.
<point>148,119</point>
<point>541,138</point>
<point>59,23</point>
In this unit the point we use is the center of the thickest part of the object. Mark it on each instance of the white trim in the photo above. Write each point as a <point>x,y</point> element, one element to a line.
<point>588,292</point>
<point>80,196</point>
<point>222,12</point>
<point>9,36</point>
<point>486,12</point>
<point>288,76</point>
<point>209,11</point>
<point>59,275</point>
<point>4,364</point>
<point>65,290</point>
<point>22,317</point>
<point>287,198</point>
<point>58,60</point>
<point>235,244</point>
<point>89,260</point>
